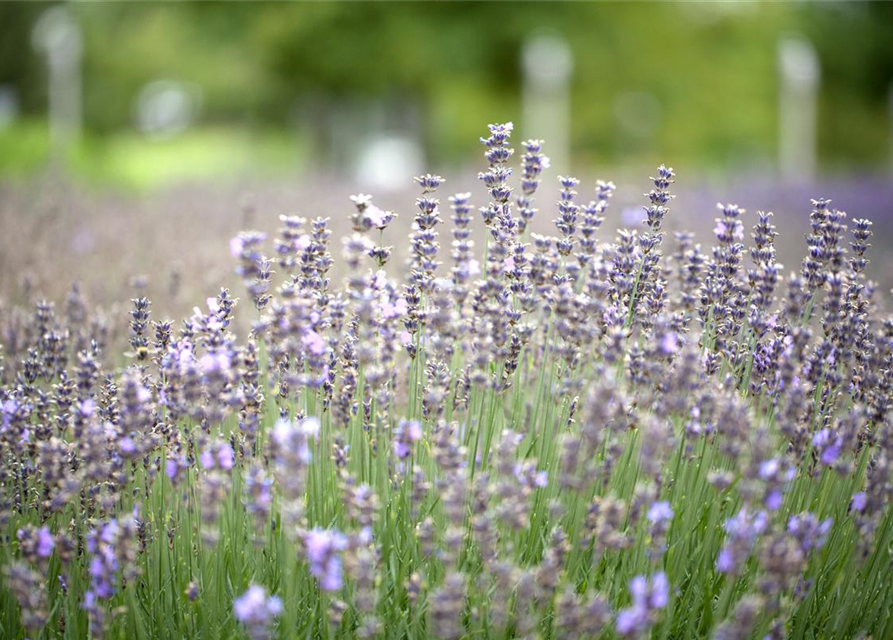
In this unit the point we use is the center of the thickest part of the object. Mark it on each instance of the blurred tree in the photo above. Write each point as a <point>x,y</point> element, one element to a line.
<point>692,82</point>
<point>855,43</point>
<point>20,67</point>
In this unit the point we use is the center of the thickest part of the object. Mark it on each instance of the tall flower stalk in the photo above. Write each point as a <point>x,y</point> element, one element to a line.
<point>559,436</point>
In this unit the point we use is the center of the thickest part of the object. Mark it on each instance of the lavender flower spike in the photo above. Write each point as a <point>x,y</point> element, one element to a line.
<point>323,548</point>
<point>256,610</point>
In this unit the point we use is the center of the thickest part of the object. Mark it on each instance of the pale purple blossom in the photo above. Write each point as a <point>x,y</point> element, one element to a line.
<point>407,433</point>
<point>235,246</point>
<point>175,467</point>
<point>807,529</point>
<point>828,446</point>
<point>732,228</point>
<point>393,307</point>
<point>87,407</point>
<point>127,446</point>
<point>256,610</point>
<point>376,216</point>
<point>323,548</point>
<point>660,512</point>
<point>218,456</point>
<point>859,502</point>
<point>647,598</point>
<point>9,407</point>
<point>314,342</point>
<point>215,362</point>
<point>669,343</point>
<point>742,532</point>
<point>45,542</point>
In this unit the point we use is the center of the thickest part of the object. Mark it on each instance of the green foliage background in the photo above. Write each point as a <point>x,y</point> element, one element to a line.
<point>711,66</point>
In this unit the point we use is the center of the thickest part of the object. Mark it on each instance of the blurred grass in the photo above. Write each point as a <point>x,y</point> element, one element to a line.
<point>269,71</point>
<point>129,160</point>
<point>25,147</point>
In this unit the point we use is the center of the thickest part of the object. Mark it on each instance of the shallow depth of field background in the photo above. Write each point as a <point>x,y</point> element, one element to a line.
<point>136,139</point>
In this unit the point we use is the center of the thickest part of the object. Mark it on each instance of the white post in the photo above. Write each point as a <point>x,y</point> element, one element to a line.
<point>9,105</point>
<point>547,63</point>
<point>799,76</point>
<point>58,36</point>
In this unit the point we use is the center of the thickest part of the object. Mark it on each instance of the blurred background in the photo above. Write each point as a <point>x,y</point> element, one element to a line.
<point>137,138</point>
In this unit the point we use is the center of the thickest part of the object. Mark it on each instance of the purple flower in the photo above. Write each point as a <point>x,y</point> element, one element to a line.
<point>302,242</point>
<point>216,362</point>
<point>774,500</point>
<point>646,599</point>
<point>632,620</point>
<point>828,446</point>
<point>660,591</point>
<point>323,548</point>
<point>830,455</point>
<point>725,561</point>
<point>175,467</point>
<point>393,308</point>
<point>87,407</point>
<point>669,344</point>
<point>406,434</point>
<point>660,512</point>
<point>108,547</point>
<point>255,605</point>
<point>809,532</point>
<point>732,228</point>
<point>256,610</point>
<point>235,246</point>
<point>290,440</point>
<point>225,456</point>
<point>742,532</point>
<point>35,544</point>
<point>541,479</point>
<point>362,200</point>
<point>218,456</point>
<point>777,473</point>
<point>126,445</point>
<point>376,216</point>
<point>768,468</point>
<point>9,407</point>
<point>314,343</point>
<point>45,542</point>
<point>859,501</point>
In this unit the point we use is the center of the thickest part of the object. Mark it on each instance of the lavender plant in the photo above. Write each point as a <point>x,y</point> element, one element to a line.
<point>555,437</point>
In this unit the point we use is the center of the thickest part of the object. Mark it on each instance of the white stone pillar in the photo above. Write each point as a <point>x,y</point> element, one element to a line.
<point>58,36</point>
<point>799,78</point>
<point>546,64</point>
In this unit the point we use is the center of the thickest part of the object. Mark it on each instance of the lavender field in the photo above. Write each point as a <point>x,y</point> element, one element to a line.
<point>490,417</point>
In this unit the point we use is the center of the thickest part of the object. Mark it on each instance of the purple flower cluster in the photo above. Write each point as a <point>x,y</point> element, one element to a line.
<point>111,558</point>
<point>405,436</point>
<point>742,532</point>
<point>491,449</point>
<point>256,610</point>
<point>217,456</point>
<point>323,550</point>
<point>649,595</point>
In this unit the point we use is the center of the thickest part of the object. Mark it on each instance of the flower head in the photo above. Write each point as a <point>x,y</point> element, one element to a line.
<point>323,548</point>
<point>408,432</point>
<point>256,610</point>
<point>647,598</point>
